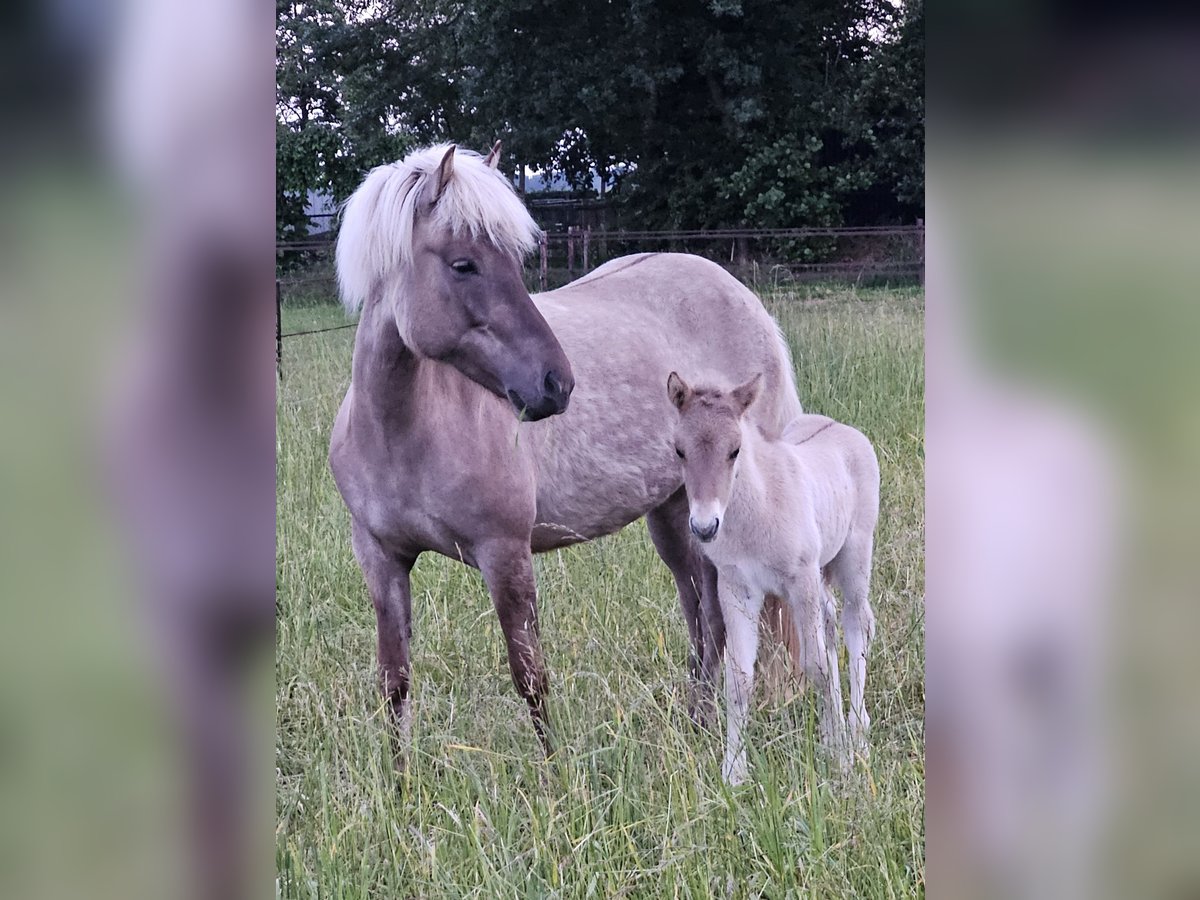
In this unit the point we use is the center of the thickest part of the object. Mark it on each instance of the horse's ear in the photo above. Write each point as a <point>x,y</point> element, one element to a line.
<point>493,158</point>
<point>678,390</point>
<point>445,171</point>
<point>744,395</point>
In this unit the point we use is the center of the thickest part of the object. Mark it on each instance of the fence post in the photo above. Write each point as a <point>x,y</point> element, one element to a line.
<point>570,250</point>
<point>587,236</point>
<point>278,331</point>
<point>544,263</point>
<point>921,247</point>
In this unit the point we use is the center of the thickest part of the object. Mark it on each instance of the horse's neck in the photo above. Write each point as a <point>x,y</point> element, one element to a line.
<point>384,368</point>
<point>749,488</point>
<point>760,474</point>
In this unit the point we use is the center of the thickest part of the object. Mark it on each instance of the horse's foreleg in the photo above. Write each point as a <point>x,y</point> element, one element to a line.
<point>507,568</point>
<point>741,610</point>
<point>695,580</point>
<point>712,625</point>
<point>388,582</point>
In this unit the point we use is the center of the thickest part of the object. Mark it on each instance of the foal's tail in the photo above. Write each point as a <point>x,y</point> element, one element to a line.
<point>781,660</point>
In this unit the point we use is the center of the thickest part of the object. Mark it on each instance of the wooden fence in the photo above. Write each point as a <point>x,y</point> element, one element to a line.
<point>777,255</point>
<point>760,257</point>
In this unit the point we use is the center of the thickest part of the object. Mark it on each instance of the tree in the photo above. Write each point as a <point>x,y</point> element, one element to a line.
<point>308,107</point>
<point>333,120</point>
<point>705,114</point>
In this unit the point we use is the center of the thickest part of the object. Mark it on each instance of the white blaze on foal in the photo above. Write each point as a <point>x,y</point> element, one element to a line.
<point>788,517</point>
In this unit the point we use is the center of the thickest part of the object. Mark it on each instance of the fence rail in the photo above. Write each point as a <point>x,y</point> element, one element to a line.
<point>749,233</point>
<point>875,252</point>
<point>869,252</point>
<point>618,236</point>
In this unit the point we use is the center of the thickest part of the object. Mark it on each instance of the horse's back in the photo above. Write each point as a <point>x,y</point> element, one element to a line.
<point>823,442</point>
<point>665,312</point>
<point>660,278</point>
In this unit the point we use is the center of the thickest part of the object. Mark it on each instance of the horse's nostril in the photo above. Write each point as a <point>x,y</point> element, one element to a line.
<point>552,384</point>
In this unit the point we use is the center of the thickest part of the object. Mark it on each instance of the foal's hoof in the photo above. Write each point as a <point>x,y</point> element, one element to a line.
<point>862,750</point>
<point>736,773</point>
<point>842,758</point>
<point>400,762</point>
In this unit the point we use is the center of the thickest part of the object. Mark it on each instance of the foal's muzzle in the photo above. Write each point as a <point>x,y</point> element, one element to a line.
<point>706,532</point>
<point>552,398</point>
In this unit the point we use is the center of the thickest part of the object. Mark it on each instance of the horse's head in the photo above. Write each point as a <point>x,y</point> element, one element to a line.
<point>708,441</point>
<point>451,234</point>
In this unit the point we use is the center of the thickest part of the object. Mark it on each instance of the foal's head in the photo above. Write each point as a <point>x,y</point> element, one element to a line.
<point>441,236</point>
<point>708,440</point>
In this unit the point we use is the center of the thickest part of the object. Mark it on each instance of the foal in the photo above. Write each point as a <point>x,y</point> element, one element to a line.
<point>786,517</point>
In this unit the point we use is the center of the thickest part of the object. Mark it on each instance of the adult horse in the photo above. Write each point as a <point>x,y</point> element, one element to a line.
<point>486,425</point>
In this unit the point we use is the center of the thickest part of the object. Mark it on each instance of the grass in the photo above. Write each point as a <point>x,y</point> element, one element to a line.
<point>633,804</point>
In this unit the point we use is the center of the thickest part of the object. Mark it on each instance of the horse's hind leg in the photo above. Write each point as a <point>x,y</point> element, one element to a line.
<point>507,568</point>
<point>696,582</point>
<point>850,570</point>
<point>388,583</point>
<point>806,597</point>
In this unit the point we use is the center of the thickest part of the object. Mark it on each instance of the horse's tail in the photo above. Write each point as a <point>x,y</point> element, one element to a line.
<point>790,406</point>
<point>782,659</point>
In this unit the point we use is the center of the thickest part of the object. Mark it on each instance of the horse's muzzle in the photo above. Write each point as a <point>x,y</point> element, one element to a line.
<point>554,397</point>
<point>704,533</point>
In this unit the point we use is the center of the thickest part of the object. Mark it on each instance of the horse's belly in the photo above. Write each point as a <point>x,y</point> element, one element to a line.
<point>601,507</point>
<point>560,528</point>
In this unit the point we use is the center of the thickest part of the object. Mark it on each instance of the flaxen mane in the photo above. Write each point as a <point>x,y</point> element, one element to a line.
<point>376,235</point>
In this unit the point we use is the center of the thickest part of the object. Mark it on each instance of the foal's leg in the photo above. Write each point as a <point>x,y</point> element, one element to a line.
<point>696,582</point>
<point>851,571</point>
<point>507,567</point>
<point>741,608</point>
<point>388,582</point>
<point>807,601</point>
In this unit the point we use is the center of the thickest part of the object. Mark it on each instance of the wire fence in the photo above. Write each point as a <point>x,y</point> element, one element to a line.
<point>763,258</point>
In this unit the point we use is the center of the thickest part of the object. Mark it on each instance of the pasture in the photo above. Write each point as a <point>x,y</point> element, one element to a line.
<point>633,804</point>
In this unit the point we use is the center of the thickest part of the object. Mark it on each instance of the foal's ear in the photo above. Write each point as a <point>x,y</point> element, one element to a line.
<point>678,390</point>
<point>744,395</point>
<point>445,170</point>
<point>493,158</point>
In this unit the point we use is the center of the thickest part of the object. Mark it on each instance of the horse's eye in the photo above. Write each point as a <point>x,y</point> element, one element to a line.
<point>679,453</point>
<point>734,454</point>
<point>463,267</point>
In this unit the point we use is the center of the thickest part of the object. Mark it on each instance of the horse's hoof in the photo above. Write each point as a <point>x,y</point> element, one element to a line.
<point>702,715</point>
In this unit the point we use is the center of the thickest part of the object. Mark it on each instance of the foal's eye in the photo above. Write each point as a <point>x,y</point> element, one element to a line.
<point>463,267</point>
<point>679,453</point>
<point>734,454</point>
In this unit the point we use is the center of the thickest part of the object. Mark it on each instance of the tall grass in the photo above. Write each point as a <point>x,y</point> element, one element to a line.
<point>633,804</point>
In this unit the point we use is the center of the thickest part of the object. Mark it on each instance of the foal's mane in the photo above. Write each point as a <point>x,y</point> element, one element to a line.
<point>376,236</point>
<point>709,396</point>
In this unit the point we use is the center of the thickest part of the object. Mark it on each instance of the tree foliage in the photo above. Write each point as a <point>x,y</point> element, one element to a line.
<point>701,113</point>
